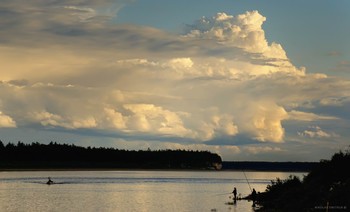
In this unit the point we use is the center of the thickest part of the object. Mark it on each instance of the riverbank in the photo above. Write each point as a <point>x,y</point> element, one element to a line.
<point>326,187</point>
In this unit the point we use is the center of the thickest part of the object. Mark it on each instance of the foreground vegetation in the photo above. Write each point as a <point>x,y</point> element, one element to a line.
<point>325,188</point>
<point>64,156</point>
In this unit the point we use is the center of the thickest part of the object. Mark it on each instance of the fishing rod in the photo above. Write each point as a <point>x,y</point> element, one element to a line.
<point>247,181</point>
<point>231,192</point>
<point>222,194</point>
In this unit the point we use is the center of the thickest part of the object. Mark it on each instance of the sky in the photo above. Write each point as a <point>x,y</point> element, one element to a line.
<point>250,80</point>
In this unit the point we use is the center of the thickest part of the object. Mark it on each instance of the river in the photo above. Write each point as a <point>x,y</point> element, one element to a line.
<point>155,191</point>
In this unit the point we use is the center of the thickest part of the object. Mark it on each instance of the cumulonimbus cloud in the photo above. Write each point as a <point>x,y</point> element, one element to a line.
<point>221,78</point>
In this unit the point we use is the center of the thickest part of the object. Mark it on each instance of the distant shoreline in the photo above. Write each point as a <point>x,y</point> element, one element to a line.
<point>55,156</point>
<point>226,166</point>
<point>99,169</point>
<point>269,166</point>
<point>160,170</point>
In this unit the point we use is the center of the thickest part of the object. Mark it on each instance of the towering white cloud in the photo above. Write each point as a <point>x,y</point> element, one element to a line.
<point>245,31</point>
<point>65,66</point>
<point>242,31</point>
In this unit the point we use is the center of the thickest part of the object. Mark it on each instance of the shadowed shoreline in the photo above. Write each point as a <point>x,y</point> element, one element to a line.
<point>325,188</point>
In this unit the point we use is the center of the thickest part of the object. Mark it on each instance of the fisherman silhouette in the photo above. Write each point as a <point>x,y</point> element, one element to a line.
<point>234,193</point>
<point>49,182</point>
<point>253,196</point>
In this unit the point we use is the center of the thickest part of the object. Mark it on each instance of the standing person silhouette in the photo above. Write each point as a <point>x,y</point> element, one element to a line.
<point>253,196</point>
<point>234,193</point>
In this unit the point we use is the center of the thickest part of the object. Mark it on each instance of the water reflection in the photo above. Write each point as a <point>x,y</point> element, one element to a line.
<point>130,191</point>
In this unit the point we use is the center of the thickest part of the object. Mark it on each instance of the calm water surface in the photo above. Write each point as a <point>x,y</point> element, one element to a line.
<point>156,191</point>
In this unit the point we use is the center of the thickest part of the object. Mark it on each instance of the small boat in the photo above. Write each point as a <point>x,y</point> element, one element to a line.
<point>49,182</point>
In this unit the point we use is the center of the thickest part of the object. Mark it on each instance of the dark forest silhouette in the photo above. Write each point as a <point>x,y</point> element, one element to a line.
<point>325,188</point>
<point>57,156</point>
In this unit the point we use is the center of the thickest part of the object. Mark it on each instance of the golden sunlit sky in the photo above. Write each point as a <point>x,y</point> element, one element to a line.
<point>249,80</point>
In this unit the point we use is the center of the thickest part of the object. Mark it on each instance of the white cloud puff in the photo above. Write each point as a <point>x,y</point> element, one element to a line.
<point>181,63</point>
<point>115,118</point>
<point>263,121</point>
<point>6,121</point>
<point>148,117</point>
<point>316,132</point>
<point>53,120</point>
<point>210,125</point>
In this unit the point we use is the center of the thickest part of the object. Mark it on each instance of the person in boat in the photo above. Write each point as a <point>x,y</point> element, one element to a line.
<point>234,193</point>
<point>49,181</point>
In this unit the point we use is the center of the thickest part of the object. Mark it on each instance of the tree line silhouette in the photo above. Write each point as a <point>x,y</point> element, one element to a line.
<point>55,155</point>
<point>325,188</point>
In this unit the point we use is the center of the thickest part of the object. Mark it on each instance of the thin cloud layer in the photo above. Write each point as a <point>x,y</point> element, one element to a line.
<point>65,66</point>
